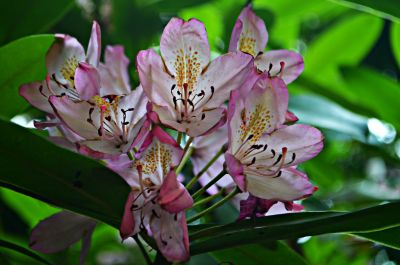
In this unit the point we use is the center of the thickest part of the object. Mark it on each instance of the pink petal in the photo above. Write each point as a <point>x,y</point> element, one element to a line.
<point>188,40</point>
<point>94,46</point>
<point>225,74</point>
<point>64,49</point>
<point>254,207</point>
<point>173,196</point>
<point>87,81</point>
<point>127,227</point>
<point>156,82</point>
<point>164,137</point>
<point>171,235</point>
<point>114,73</point>
<point>236,170</point>
<point>249,33</point>
<point>291,117</point>
<point>293,64</point>
<point>290,185</point>
<point>59,231</point>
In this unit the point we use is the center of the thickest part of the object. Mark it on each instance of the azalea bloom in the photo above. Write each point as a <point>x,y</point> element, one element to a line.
<point>61,230</point>
<point>157,201</point>
<point>263,151</point>
<point>108,124</point>
<point>186,91</point>
<point>250,35</point>
<point>205,148</point>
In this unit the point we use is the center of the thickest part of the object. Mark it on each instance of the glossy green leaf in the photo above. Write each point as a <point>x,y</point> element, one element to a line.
<point>395,41</point>
<point>295,225</point>
<point>34,166</point>
<point>384,8</point>
<point>388,237</point>
<point>24,251</point>
<point>25,17</point>
<point>23,61</point>
<point>276,253</point>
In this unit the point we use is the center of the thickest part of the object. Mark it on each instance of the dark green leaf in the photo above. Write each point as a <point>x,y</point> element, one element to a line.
<point>383,8</point>
<point>295,225</point>
<point>22,250</point>
<point>395,41</point>
<point>388,237</point>
<point>277,253</point>
<point>25,17</point>
<point>23,61</point>
<point>32,165</point>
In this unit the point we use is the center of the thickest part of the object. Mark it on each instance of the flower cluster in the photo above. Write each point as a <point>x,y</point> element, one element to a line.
<point>249,148</point>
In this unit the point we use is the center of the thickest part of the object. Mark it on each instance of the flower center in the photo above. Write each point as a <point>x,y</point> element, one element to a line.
<point>255,124</point>
<point>68,69</point>
<point>157,156</point>
<point>247,43</point>
<point>187,69</point>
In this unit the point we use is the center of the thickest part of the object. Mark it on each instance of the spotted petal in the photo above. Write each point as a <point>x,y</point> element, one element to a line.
<point>249,33</point>
<point>286,64</point>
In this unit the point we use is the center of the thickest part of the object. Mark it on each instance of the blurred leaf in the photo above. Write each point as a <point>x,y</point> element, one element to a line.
<point>30,209</point>
<point>295,225</point>
<point>32,165</point>
<point>384,8</point>
<point>395,41</point>
<point>276,254</point>
<point>171,5</point>
<point>23,61</point>
<point>321,112</point>
<point>345,43</point>
<point>22,250</point>
<point>388,237</point>
<point>19,18</point>
<point>375,91</point>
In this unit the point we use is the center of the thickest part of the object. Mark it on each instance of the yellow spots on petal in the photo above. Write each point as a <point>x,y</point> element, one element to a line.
<point>158,156</point>
<point>255,124</point>
<point>68,69</point>
<point>187,68</point>
<point>106,104</point>
<point>247,43</point>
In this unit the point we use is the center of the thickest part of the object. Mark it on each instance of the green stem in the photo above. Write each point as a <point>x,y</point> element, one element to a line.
<point>205,168</point>
<point>209,184</point>
<point>185,158</point>
<point>179,138</point>
<point>189,141</point>
<point>209,198</point>
<point>214,206</point>
<point>142,249</point>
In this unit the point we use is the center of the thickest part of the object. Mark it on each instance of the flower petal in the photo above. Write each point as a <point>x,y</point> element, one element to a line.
<point>171,235</point>
<point>94,46</point>
<point>59,231</point>
<point>173,195</point>
<point>87,81</point>
<point>63,57</point>
<point>184,48</point>
<point>156,82</point>
<point>224,74</point>
<point>127,227</point>
<point>236,170</point>
<point>249,33</point>
<point>114,73</point>
<point>293,64</point>
<point>290,185</point>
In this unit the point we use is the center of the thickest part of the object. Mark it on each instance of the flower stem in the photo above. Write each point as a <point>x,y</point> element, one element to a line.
<point>205,168</point>
<point>142,249</point>
<point>189,141</point>
<point>214,206</point>
<point>185,158</point>
<point>179,138</point>
<point>209,184</point>
<point>209,198</point>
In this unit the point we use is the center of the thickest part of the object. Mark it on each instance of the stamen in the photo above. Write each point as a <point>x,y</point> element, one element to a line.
<point>282,68</point>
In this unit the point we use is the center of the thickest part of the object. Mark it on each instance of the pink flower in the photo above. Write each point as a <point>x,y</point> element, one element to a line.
<point>157,201</point>
<point>250,35</point>
<point>186,91</point>
<point>263,151</point>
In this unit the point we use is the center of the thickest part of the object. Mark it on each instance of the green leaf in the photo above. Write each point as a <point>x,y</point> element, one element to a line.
<point>23,61</point>
<point>273,254</point>
<point>388,237</point>
<point>295,225</point>
<point>34,166</point>
<point>395,41</point>
<point>20,18</point>
<point>383,8</point>
<point>22,250</point>
<point>375,91</point>
<point>29,209</point>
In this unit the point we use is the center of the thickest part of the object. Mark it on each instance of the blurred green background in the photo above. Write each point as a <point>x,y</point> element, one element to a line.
<point>349,89</point>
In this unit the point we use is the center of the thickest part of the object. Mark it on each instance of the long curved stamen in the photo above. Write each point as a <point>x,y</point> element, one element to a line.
<point>280,160</point>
